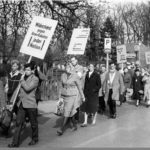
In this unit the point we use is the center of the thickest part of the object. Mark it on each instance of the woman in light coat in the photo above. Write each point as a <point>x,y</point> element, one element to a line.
<point>71,88</point>
<point>146,80</point>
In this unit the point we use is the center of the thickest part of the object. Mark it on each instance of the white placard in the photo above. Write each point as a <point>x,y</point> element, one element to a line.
<point>107,45</point>
<point>38,37</point>
<point>78,41</point>
<point>121,54</point>
<point>147,56</point>
<point>131,55</point>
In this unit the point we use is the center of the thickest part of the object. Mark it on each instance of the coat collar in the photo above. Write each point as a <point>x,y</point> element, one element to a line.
<point>114,76</point>
<point>15,74</point>
<point>90,75</point>
<point>30,77</point>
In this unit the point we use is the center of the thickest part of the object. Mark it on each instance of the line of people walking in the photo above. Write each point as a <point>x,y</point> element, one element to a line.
<point>99,89</point>
<point>87,90</point>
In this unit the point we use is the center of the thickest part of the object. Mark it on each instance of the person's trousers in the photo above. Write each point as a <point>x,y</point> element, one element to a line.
<point>32,114</point>
<point>15,108</point>
<point>77,114</point>
<point>102,105</point>
<point>111,103</point>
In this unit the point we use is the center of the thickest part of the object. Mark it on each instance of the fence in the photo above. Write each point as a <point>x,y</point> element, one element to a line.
<point>50,88</point>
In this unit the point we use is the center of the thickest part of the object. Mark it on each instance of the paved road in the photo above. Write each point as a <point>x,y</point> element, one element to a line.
<point>131,128</point>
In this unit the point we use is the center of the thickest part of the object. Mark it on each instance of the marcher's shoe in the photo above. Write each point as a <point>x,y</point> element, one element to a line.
<point>120,103</point>
<point>124,100</point>
<point>101,112</point>
<point>93,123</point>
<point>71,124</point>
<point>114,116</point>
<point>33,142</point>
<point>59,132</point>
<point>12,145</point>
<point>137,103</point>
<point>74,128</point>
<point>84,125</point>
<point>147,106</point>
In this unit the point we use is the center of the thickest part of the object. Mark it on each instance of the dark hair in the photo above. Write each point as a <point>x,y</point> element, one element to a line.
<point>92,63</point>
<point>30,65</point>
<point>74,58</point>
<point>137,69</point>
<point>34,64</point>
<point>112,63</point>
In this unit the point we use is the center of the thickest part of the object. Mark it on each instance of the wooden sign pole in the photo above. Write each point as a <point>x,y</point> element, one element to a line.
<point>122,66</point>
<point>107,61</point>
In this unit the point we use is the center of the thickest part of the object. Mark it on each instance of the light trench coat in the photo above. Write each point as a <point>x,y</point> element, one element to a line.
<point>27,92</point>
<point>146,80</point>
<point>117,86</point>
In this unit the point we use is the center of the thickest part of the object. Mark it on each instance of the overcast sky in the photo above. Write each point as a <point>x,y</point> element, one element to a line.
<point>125,1</point>
<point>120,1</point>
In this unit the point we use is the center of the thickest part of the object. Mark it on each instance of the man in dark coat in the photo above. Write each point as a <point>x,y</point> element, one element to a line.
<point>91,90</point>
<point>137,86</point>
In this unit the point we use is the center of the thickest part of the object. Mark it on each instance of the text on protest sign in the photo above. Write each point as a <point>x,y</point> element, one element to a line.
<point>38,37</point>
<point>147,56</point>
<point>78,41</point>
<point>121,54</point>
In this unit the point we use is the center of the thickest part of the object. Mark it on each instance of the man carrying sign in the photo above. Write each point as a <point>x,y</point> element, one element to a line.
<point>35,44</point>
<point>27,105</point>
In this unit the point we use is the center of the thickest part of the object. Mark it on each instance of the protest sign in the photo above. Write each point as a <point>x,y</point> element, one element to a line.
<point>147,56</point>
<point>78,41</point>
<point>121,54</point>
<point>38,37</point>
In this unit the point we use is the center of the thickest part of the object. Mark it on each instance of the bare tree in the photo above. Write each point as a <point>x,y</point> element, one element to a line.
<point>12,26</point>
<point>132,21</point>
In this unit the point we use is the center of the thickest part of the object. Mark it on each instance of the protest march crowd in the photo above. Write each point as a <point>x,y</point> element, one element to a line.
<point>87,89</point>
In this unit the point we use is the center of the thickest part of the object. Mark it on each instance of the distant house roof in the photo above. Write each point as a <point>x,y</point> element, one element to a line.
<point>130,47</point>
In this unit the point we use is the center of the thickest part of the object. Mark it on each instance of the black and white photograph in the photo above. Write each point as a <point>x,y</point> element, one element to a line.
<point>74,74</point>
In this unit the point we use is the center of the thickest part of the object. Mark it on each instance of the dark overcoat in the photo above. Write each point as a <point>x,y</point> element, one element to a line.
<point>127,80</point>
<point>137,86</point>
<point>91,90</point>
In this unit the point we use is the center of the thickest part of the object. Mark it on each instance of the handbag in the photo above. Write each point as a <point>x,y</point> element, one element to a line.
<point>60,107</point>
<point>5,119</point>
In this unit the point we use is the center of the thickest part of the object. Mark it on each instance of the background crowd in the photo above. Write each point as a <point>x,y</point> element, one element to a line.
<point>89,90</point>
